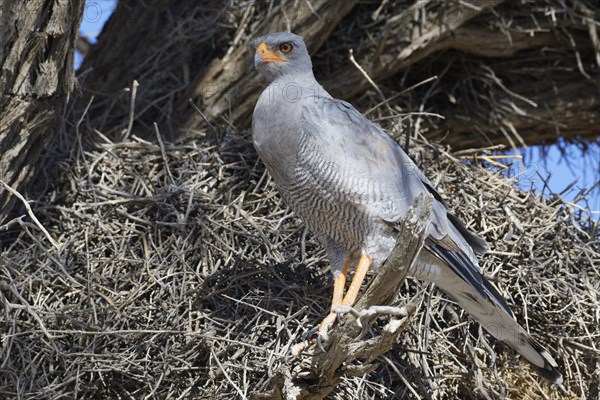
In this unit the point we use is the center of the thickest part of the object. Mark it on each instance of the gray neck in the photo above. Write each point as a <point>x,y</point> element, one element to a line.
<point>306,77</point>
<point>293,87</point>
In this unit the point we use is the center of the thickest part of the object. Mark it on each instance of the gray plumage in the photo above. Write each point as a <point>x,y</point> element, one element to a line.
<point>351,184</point>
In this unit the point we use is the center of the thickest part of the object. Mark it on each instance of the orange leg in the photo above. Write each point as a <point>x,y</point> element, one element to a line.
<point>339,282</point>
<point>357,280</point>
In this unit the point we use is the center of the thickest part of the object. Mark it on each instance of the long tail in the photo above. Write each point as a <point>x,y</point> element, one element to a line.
<point>483,302</point>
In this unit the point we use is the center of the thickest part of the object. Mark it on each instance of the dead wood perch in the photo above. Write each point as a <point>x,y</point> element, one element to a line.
<point>347,352</point>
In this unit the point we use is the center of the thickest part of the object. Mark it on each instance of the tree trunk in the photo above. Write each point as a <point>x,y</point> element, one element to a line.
<point>37,54</point>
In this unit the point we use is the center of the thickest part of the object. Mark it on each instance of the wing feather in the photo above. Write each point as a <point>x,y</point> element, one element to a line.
<point>372,157</point>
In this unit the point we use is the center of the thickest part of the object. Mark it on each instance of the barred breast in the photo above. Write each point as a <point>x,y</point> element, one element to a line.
<point>313,192</point>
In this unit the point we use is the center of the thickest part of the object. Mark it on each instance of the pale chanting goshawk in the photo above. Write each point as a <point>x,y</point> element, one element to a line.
<point>351,184</point>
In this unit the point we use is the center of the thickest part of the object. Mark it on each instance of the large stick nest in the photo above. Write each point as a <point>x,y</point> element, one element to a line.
<point>178,272</point>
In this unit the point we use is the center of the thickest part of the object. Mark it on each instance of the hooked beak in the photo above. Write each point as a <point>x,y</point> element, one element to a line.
<point>265,54</point>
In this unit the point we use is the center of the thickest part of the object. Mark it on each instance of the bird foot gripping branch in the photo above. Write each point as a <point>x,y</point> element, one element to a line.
<point>362,318</point>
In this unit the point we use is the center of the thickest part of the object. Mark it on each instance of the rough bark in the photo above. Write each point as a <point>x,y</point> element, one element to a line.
<point>406,39</point>
<point>38,40</point>
<point>550,112</point>
<point>316,379</point>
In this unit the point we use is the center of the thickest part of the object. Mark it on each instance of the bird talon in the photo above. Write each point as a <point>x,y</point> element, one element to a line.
<point>320,343</point>
<point>318,335</point>
<point>307,336</point>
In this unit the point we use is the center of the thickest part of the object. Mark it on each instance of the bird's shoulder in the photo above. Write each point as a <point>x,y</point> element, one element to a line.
<point>353,139</point>
<point>341,129</point>
<point>336,117</point>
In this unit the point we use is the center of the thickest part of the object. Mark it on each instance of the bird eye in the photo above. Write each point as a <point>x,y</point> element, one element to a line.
<point>286,47</point>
